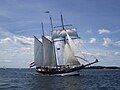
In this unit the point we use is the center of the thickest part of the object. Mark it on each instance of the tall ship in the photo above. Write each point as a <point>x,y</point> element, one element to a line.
<point>60,53</point>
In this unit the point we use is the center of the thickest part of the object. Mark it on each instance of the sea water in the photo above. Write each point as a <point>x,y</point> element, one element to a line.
<point>89,79</point>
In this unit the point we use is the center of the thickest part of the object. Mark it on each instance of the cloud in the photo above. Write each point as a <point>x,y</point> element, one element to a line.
<point>5,33</point>
<point>107,42</point>
<point>103,31</point>
<point>5,41</point>
<point>117,43</point>
<point>26,49</point>
<point>23,40</point>
<point>92,40</point>
<point>115,31</point>
<point>16,48</point>
<point>89,31</point>
<point>11,38</point>
<point>17,39</point>
<point>117,53</point>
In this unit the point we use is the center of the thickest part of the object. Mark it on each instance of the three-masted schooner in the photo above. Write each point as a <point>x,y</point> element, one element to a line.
<point>59,54</point>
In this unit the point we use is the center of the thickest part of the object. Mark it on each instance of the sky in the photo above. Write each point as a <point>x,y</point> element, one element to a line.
<point>97,23</point>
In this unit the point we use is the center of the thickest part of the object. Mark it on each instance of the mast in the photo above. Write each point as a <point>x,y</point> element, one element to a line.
<point>51,21</point>
<point>62,21</point>
<point>51,24</point>
<point>42,29</point>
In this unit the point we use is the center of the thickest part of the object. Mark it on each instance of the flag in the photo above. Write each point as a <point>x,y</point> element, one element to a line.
<point>32,64</point>
<point>47,12</point>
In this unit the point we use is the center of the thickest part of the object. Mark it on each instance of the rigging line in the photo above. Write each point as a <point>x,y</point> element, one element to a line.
<point>81,52</point>
<point>87,51</point>
<point>82,58</point>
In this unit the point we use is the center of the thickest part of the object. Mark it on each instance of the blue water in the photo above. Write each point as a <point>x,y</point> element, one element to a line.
<point>89,79</point>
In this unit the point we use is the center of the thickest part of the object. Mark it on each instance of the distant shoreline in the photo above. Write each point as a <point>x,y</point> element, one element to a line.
<point>102,67</point>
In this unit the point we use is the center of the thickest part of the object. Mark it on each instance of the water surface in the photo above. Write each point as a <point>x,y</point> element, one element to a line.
<point>89,79</point>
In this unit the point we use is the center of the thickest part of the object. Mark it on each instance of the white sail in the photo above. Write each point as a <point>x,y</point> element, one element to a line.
<point>62,33</point>
<point>70,59</point>
<point>49,54</point>
<point>59,41</point>
<point>73,48</point>
<point>77,53</point>
<point>59,49</point>
<point>38,52</point>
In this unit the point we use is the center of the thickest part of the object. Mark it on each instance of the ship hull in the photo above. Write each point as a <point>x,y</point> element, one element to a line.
<point>71,71</point>
<point>74,73</point>
<point>63,71</point>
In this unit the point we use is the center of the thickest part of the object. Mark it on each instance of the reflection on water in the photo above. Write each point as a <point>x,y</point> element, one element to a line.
<point>89,79</point>
<point>56,82</point>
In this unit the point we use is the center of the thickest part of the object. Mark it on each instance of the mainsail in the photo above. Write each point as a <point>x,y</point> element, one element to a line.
<point>48,52</point>
<point>44,54</point>
<point>59,49</point>
<point>38,52</point>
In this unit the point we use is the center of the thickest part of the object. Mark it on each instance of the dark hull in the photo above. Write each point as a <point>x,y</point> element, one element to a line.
<point>52,71</point>
<point>62,71</point>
